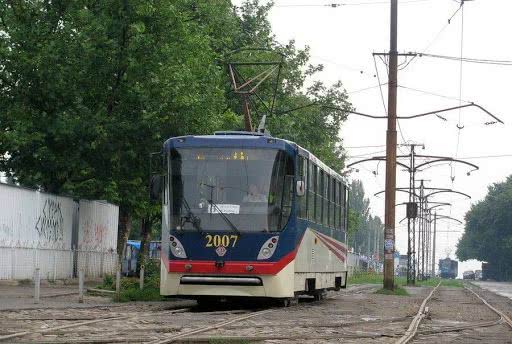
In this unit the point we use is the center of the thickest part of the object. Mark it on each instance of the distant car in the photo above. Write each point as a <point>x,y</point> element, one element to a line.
<point>478,274</point>
<point>468,275</point>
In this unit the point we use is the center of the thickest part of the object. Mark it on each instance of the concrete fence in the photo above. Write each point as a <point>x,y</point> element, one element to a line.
<point>18,263</point>
<point>58,235</point>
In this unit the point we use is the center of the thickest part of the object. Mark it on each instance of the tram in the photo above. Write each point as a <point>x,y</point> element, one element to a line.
<point>248,215</point>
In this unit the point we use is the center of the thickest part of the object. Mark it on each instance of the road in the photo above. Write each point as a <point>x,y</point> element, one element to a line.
<point>500,288</point>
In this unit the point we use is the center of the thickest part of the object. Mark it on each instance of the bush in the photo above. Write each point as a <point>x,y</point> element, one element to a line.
<point>152,268</point>
<point>135,294</point>
<point>108,282</point>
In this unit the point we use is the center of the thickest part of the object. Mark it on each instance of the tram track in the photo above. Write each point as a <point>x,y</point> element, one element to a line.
<point>503,317</point>
<point>133,328</point>
<point>78,324</point>
<point>413,329</point>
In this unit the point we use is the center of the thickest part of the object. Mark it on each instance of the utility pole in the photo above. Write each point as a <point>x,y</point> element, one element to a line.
<point>389,229</point>
<point>434,247</point>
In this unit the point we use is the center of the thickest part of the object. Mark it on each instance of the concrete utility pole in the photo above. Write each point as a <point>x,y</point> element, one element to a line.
<point>389,210</point>
<point>434,247</point>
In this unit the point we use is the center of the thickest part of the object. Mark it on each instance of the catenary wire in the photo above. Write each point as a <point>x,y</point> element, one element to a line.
<point>343,4</point>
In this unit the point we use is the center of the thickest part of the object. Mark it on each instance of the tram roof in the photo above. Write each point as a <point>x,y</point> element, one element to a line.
<point>246,139</point>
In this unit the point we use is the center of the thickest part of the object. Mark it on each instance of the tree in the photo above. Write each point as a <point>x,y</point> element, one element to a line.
<point>89,89</point>
<point>488,231</point>
<point>366,233</point>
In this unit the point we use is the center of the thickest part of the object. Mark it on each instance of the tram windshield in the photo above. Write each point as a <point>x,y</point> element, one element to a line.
<point>230,189</point>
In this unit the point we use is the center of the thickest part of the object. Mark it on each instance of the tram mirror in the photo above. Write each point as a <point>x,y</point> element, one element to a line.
<point>155,187</point>
<point>301,188</point>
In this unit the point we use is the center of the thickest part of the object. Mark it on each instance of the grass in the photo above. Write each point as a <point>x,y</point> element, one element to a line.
<point>130,290</point>
<point>399,291</point>
<point>377,278</point>
<point>135,294</point>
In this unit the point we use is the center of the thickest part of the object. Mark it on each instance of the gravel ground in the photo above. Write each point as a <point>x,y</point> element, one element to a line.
<point>354,315</point>
<point>456,307</point>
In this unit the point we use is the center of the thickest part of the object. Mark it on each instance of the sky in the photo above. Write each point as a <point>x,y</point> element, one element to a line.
<point>343,40</point>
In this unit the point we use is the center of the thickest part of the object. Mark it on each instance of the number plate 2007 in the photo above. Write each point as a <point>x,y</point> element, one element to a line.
<point>221,240</point>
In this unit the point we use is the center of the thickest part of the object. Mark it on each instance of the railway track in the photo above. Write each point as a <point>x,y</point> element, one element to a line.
<point>413,329</point>
<point>259,325</point>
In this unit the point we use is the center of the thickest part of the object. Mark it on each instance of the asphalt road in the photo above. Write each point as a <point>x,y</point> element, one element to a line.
<point>500,288</point>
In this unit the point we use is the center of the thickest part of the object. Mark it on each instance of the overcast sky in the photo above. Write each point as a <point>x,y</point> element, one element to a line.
<point>343,39</point>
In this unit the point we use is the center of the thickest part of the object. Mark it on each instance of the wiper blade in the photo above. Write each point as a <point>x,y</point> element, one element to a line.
<point>191,217</point>
<point>224,217</point>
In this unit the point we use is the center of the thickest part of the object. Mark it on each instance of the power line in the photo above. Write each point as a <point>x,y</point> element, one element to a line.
<point>356,147</point>
<point>468,59</point>
<point>344,66</point>
<point>367,88</point>
<point>429,45</point>
<point>384,102</point>
<point>340,4</point>
<point>433,93</point>
<point>488,156</point>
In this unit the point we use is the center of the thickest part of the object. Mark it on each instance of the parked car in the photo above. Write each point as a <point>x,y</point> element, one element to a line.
<point>478,274</point>
<point>468,275</point>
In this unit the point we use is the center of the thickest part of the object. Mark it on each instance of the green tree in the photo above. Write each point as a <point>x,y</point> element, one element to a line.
<point>366,234</point>
<point>89,89</point>
<point>488,231</point>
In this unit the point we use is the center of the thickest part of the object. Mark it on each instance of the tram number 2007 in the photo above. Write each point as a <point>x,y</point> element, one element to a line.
<point>221,240</point>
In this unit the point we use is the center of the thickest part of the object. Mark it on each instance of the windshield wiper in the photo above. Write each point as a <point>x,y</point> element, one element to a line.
<point>191,217</point>
<point>224,217</point>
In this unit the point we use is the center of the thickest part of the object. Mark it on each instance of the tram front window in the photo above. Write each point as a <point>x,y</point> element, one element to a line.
<point>216,189</point>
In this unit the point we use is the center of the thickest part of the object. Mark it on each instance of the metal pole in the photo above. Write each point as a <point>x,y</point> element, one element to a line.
<point>413,253</point>
<point>81,286</point>
<point>141,278</point>
<point>389,232</point>
<point>410,245</point>
<point>118,284</point>
<point>37,285</point>
<point>434,248</point>
<point>429,222</point>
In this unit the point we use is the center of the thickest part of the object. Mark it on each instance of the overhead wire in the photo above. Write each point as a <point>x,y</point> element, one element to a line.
<point>467,59</point>
<point>367,88</point>
<point>436,37</point>
<point>384,102</point>
<point>344,3</point>
<point>433,94</point>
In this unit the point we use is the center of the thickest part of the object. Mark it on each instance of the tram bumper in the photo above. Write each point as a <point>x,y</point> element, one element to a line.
<point>246,285</point>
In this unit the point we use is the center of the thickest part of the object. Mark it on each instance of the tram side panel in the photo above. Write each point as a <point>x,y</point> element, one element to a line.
<point>320,263</point>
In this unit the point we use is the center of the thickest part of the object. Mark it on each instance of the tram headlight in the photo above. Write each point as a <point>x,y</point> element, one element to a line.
<point>177,248</point>
<point>268,248</point>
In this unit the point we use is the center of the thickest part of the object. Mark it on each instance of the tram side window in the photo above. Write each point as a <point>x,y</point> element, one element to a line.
<point>319,188</point>
<point>311,191</point>
<point>339,202</point>
<point>344,206</point>
<point>302,201</point>
<point>325,196</point>
<point>332,183</point>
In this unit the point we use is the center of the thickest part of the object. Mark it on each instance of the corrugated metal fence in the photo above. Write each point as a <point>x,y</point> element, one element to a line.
<point>56,234</point>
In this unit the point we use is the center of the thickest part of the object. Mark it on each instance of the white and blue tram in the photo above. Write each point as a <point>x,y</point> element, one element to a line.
<point>249,215</point>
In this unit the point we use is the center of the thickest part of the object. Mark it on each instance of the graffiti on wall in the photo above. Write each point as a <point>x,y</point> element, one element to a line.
<point>94,235</point>
<point>50,224</point>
